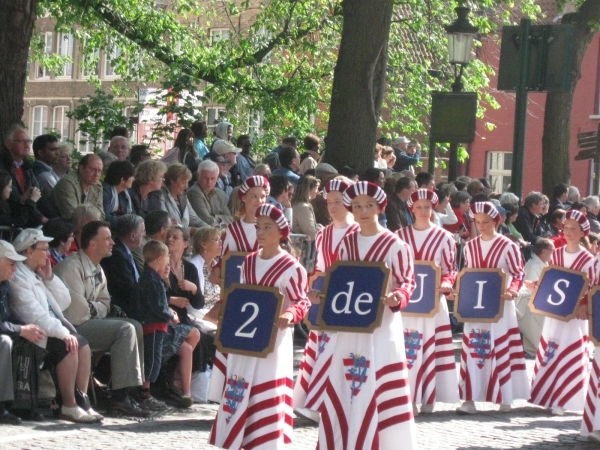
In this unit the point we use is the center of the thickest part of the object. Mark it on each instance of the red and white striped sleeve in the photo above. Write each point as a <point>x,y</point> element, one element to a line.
<point>320,260</point>
<point>515,266</point>
<point>295,287</point>
<point>448,264</point>
<point>403,271</point>
<point>227,243</point>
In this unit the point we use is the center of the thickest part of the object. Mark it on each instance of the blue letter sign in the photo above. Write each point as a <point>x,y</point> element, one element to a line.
<point>316,282</point>
<point>558,293</point>
<point>594,312</point>
<point>480,295</point>
<point>354,291</point>
<point>231,268</point>
<point>247,321</point>
<point>425,300</point>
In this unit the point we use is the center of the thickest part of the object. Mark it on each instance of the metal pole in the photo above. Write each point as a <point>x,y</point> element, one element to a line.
<point>431,168</point>
<point>453,161</point>
<point>516,179</point>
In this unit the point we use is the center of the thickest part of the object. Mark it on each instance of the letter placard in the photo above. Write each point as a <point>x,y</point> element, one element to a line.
<point>231,269</point>
<point>354,291</point>
<point>479,295</point>
<point>558,293</point>
<point>247,320</point>
<point>317,282</point>
<point>594,313</point>
<point>425,300</point>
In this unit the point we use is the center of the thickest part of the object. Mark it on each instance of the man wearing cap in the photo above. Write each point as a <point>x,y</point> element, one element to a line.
<point>209,203</point>
<point>9,330</point>
<point>229,151</point>
<point>89,309</point>
<point>408,153</point>
<point>38,297</point>
<point>78,188</point>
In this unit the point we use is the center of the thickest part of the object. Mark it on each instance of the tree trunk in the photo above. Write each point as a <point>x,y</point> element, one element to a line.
<point>557,119</point>
<point>359,84</point>
<point>18,20</point>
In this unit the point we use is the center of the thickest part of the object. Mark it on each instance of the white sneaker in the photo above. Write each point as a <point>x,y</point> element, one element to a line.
<point>426,409</point>
<point>505,408</point>
<point>594,436</point>
<point>558,411</point>
<point>308,414</point>
<point>415,410</point>
<point>468,407</point>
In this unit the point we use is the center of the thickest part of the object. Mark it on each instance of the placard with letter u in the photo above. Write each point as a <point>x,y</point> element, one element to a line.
<point>558,293</point>
<point>247,323</point>
<point>353,296</point>
<point>316,282</point>
<point>479,295</point>
<point>231,268</point>
<point>425,300</point>
<point>594,315</point>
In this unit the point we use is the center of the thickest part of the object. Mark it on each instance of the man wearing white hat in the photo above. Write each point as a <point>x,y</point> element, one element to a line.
<point>229,152</point>
<point>38,297</point>
<point>408,153</point>
<point>10,331</point>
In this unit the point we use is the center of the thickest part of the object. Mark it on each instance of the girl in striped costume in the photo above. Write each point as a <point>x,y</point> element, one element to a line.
<point>379,415</point>
<point>498,375</point>
<point>432,371</point>
<point>263,414</point>
<point>310,382</point>
<point>562,359</point>
<point>240,236</point>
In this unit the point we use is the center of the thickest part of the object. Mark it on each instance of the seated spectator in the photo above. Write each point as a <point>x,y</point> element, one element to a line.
<point>229,152</point>
<point>81,187</point>
<point>119,146</point>
<point>545,230</point>
<point>509,197</point>
<point>573,196</point>
<point>184,151</point>
<point>38,297</point>
<point>290,164</point>
<point>375,176</point>
<point>155,316</point>
<point>207,247</point>
<point>17,213</point>
<point>176,201</point>
<point>460,186</point>
<point>263,170</point>
<point>82,215</point>
<point>512,212</point>
<point>310,158</point>
<point>235,203</point>
<point>444,214</point>
<point>61,231</point>
<point>594,240</point>
<point>592,204</point>
<point>425,180</point>
<point>396,212</point>
<point>45,150</point>
<point>119,130</point>
<point>303,214</point>
<point>145,192</point>
<point>408,153</point>
<point>245,163</point>
<point>349,173</point>
<point>120,269</point>
<point>288,141</point>
<point>389,157</point>
<point>476,187</point>
<point>65,160</point>
<point>139,154</point>
<point>559,198</point>
<point>279,195</point>
<point>208,202</point>
<point>89,310</point>
<point>10,330</point>
<point>460,202</point>
<point>528,221</point>
<point>157,224</point>
<point>579,206</point>
<point>224,179</point>
<point>200,131</point>
<point>115,188</point>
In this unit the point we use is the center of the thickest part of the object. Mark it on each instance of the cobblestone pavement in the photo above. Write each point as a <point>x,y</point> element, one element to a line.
<point>526,427</point>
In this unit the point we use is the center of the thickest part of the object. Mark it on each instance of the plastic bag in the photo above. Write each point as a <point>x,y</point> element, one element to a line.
<point>27,359</point>
<point>200,383</point>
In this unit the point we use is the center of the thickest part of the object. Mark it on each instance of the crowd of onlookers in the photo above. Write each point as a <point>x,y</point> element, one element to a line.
<point>115,256</point>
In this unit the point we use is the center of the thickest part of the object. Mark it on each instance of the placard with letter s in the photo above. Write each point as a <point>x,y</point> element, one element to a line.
<point>354,291</point>
<point>231,268</point>
<point>594,314</point>
<point>425,300</point>
<point>479,295</point>
<point>247,320</point>
<point>558,293</point>
<point>316,282</point>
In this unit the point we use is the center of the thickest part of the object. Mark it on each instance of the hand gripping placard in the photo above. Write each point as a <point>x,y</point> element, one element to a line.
<point>425,300</point>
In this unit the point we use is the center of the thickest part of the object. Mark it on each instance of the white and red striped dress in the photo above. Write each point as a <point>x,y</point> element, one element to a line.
<point>432,368</point>
<point>239,237</point>
<point>499,375</point>
<point>310,383</point>
<point>263,413</point>
<point>561,364</point>
<point>379,413</point>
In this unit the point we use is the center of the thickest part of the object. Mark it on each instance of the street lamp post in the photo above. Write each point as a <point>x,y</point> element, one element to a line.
<point>461,34</point>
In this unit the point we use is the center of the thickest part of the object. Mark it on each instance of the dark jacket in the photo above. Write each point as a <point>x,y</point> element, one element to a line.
<point>7,326</point>
<point>113,217</point>
<point>190,273</point>
<point>396,213</point>
<point>142,207</point>
<point>404,161</point>
<point>120,279</point>
<point>528,224</point>
<point>154,305</point>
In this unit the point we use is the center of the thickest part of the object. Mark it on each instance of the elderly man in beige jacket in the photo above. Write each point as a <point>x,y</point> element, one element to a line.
<point>209,203</point>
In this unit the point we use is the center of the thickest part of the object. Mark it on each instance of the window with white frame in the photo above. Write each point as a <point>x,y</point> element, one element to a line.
<point>218,35</point>
<point>90,64</point>
<point>41,71</point>
<point>65,47</point>
<point>212,118</point>
<point>133,136</point>
<point>109,70</point>
<point>85,144</point>
<point>499,166</point>
<point>39,121</point>
<point>254,123</point>
<point>60,122</point>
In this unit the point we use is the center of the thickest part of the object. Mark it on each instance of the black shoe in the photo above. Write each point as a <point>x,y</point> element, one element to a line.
<point>127,407</point>
<point>8,418</point>
<point>29,414</point>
